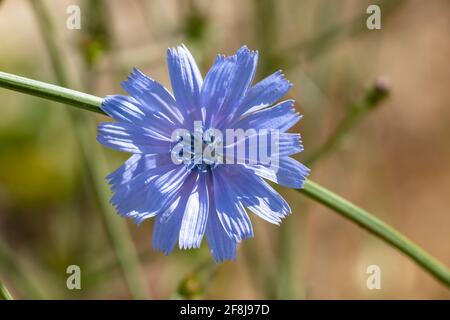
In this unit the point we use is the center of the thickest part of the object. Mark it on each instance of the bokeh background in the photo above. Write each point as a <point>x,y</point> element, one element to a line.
<point>394,161</point>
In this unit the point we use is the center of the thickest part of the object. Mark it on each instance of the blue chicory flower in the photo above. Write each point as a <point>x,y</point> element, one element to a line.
<point>201,195</point>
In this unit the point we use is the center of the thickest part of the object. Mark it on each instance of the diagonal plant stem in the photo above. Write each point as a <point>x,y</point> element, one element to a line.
<point>311,190</point>
<point>4,293</point>
<point>120,238</point>
<point>377,227</point>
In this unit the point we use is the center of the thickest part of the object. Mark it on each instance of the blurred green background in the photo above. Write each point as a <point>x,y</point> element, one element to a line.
<point>394,161</point>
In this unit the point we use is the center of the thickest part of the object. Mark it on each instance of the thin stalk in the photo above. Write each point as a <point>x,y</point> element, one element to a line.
<point>4,293</point>
<point>354,113</point>
<point>51,92</point>
<point>122,243</point>
<point>361,217</point>
<point>284,276</point>
<point>18,275</point>
<point>321,43</point>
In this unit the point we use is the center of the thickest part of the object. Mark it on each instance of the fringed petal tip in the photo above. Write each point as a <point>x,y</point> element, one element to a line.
<point>245,50</point>
<point>282,78</point>
<point>221,259</point>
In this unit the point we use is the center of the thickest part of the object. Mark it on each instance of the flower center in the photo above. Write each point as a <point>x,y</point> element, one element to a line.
<point>198,150</point>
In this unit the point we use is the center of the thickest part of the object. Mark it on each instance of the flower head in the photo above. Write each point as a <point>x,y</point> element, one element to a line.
<point>200,156</point>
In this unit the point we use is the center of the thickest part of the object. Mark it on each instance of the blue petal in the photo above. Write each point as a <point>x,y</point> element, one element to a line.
<point>232,215</point>
<point>153,97</point>
<point>281,116</point>
<point>221,246</point>
<point>244,73</point>
<point>149,193</point>
<point>195,216</point>
<point>135,165</point>
<point>166,230</point>
<point>265,93</point>
<point>289,144</point>
<point>128,109</point>
<point>257,195</point>
<point>263,143</point>
<point>186,81</point>
<point>123,108</point>
<point>216,86</point>
<point>130,138</point>
<point>130,199</point>
<point>288,172</point>
<point>238,85</point>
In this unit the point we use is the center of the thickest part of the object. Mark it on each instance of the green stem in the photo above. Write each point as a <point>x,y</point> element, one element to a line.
<point>51,92</point>
<point>336,203</point>
<point>377,227</point>
<point>4,293</point>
